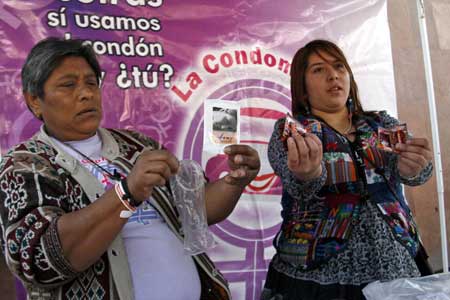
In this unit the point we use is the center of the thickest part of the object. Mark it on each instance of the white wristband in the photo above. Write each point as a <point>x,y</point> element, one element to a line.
<point>125,214</point>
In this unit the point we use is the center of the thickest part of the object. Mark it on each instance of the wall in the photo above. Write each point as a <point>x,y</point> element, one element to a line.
<point>413,105</point>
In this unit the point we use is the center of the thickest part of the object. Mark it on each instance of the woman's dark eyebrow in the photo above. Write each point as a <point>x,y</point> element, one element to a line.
<point>67,76</point>
<point>325,62</point>
<point>316,64</point>
<point>74,76</point>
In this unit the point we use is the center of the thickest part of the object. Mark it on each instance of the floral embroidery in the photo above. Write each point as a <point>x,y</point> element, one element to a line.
<point>58,199</point>
<point>74,195</point>
<point>25,266</point>
<point>20,233</point>
<point>24,255</point>
<point>26,241</point>
<point>38,225</point>
<point>13,247</point>
<point>30,219</point>
<point>99,267</point>
<point>32,241</point>
<point>40,260</point>
<point>16,195</point>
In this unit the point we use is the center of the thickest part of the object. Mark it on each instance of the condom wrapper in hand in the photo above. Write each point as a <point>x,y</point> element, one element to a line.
<point>291,126</point>
<point>221,125</point>
<point>188,189</point>
<point>388,138</point>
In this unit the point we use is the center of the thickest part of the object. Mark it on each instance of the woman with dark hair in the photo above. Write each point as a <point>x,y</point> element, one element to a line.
<point>346,222</point>
<point>87,212</point>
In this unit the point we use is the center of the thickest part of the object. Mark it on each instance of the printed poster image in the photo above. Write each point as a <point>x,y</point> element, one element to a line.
<point>222,125</point>
<point>225,122</point>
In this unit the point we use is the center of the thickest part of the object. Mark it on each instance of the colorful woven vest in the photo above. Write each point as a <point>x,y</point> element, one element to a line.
<point>313,231</point>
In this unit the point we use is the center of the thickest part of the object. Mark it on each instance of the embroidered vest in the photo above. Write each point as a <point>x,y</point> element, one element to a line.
<point>314,231</point>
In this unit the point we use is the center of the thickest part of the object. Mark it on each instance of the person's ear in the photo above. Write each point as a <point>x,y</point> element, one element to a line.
<point>34,104</point>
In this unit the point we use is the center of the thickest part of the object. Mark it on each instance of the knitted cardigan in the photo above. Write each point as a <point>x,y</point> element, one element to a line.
<point>39,183</point>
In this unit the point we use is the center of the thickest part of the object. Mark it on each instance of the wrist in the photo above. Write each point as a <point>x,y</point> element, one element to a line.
<point>410,177</point>
<point>129,209</point>
<point>127,195</point>
<point>309,176</point>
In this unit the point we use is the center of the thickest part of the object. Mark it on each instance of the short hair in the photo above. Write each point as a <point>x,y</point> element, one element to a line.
<point>47,55</point>
<point>300,104</point>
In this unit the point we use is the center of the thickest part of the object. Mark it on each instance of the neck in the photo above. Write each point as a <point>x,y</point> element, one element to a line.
<point>64,139</point>
<point>338,120</point>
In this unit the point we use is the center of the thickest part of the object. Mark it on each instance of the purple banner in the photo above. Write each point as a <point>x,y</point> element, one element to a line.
<point>163,59</point>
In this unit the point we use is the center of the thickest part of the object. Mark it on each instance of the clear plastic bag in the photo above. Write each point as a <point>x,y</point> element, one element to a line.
<point>431,287</point>
<point>188,188</point>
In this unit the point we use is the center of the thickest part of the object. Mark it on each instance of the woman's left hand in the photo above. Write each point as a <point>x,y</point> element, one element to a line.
<point>244,164</point>
<point>414,156</point>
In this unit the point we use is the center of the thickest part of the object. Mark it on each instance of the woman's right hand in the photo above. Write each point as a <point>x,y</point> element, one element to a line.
<point>304,156</point>
<point>152,168</point>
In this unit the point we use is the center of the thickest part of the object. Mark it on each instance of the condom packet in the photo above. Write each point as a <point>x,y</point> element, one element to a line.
<point>291,126</point>
<point>221,125</point>
<point>389,137</point>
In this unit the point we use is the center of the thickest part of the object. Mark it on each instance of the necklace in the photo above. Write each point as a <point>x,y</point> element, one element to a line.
<point>114,176</point>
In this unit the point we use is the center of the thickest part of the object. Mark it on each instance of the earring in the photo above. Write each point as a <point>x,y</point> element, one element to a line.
<point>350,108</point>
<point>306,105</point>
<point>307,110</point>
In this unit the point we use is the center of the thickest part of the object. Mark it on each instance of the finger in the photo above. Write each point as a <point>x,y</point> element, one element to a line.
<point>422,142</point>
<point>314,148</point>
<point>152,179</point>
<point>237,161</point>
<point>242,155</point>
<point>231,180</point>
<point>238,173</point>
<point>251,161</point>
<point>318,142</point>
<point>158,167</point>
<point>412,164</point>
<point>239,176</point>
<point>145,183</point>
<point>302,147</point>
<point>238,149</point>
<point>419,159</point>
<point>406,170</point>
<point>159,154</point>
<point>233,165</point>
<point>293,156</point>
<point>315,138</point>
<point>419,150</point>
<point>148,156</point>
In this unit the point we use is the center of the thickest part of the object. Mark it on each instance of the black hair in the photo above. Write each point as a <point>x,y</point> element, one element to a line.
<point>47,55</point>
